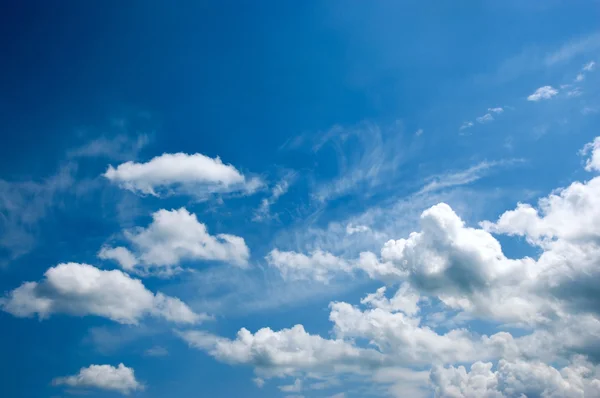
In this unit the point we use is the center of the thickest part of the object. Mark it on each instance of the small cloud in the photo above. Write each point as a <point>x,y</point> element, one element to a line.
<point>543,93</point>
<point>156,351</point>
<point>496,110</point>
<point>353,229</point>
<point>589,66</point>
<point>466,125</point>
<point>576,92</point>
<point>580,77</point>
<point>589,110</point>
<point>419,132</point>
<point>259,382</point>
<point>485,118</point>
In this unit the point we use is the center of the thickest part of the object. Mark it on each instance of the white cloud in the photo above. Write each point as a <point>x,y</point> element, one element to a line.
<point>496,110</point>
<point>518,378</point>
<point>105,377</point>
<point>172,237</point>
<point>119,254</point>
<point>462,177</point>
<point>354,229</point>
<point>319,266</point>
<point>179,173</point>
<point>419,132</point>
<point>576,92</point>
<point>259,382</point>
<point>81,289</point>
<point>295,387</point>
<point>284,352</point>
<point>277,191</point>
<point>405,300</point>
<point>580,77</point>
<point>543,93</point>
<point>589,66</point>
<point>593,149</point>
<point>485,118</point>
<point>466,125</point>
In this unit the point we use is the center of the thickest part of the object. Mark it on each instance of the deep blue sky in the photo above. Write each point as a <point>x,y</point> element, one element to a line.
<point>320,94</point>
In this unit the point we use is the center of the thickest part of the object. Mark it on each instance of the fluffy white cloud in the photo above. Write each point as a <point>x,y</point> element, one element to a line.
<point>104,377</point>
<point>405,341</point>
<point>517,379</point>
<point>81,289</point>
<point>543,93</point>
<point>593,149</point>
<point>179,173</point>
<point>405,300</point>
<point>172,237</point>
<point>284,352</point>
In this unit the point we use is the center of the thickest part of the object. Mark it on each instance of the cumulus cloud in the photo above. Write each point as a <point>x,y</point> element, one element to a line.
<point>552,298</point>
<point>180,173</point>
<point>284,352</point>
<point>516,379</point>
<point>172,237</point>
<point>104,377</point>
<point>592,149</point>
<point>543,93</point>
<point>81,289</point>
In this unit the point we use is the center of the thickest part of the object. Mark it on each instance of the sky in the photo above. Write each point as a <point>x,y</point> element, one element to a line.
<point>331,199</point>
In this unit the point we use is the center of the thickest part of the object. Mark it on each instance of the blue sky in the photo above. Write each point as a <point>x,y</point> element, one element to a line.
<point>212,194</point>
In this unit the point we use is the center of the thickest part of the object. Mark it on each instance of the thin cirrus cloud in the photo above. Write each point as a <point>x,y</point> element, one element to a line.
<point>543,93</point>
<point>82,290</point>
<point>172,237</point>
<point>196,175</point>
<point>120,379</point>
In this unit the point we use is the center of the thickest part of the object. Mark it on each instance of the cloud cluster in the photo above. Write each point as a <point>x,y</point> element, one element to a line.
<point>517,379</point>
<point>81,289</point>
<point>284,352</point>
<point>105,377</point>
<point>543,93</point>
<point>180,173</point>
<point>553,298</point>
<point>172,237</point>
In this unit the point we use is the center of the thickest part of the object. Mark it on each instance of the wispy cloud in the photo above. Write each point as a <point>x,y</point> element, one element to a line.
<point>589,66</point>
<point>485,118</point>
<point>263,212</point>
<point>543,93</point>
<point>573,48</point>
<point>466,125</point>
<point>463,177</point>
<point>119,147</point>
<point>368,158</point>
<point>24,203</point>
<point>496,110</point>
